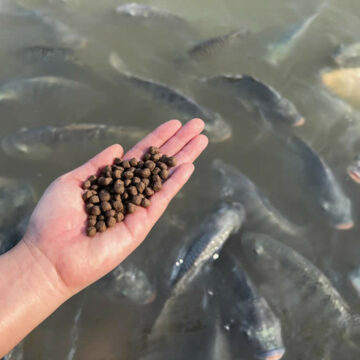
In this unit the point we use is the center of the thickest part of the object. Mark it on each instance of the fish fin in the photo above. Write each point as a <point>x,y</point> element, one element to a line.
<point>118,63</point>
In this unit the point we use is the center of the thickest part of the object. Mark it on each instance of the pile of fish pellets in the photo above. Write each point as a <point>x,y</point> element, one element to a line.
<point>122,187</point>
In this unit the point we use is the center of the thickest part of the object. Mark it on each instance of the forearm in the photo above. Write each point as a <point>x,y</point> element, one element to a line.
<point>30,291</point>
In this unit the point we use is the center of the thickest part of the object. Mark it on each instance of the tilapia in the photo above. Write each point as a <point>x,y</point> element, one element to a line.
<point>320,184</point>
<point>16,354</point>
<point>244,312</point>
<point>344,83</point>
<point>354,280</point>
<point>204,247</point>
<point>260,212</point>
<point>255,95</point>
<point>346,54</point>
<point>143,11</point>
<point>216,127</point>
<point>213,45</point>
<point>353,169</point>
<point>132,283</point>
<point>46,54</point>
<point>280,50</point>
<point>299,285</point>
<point>16,197</point>
<point>63,33</point>
<point>41,142</point>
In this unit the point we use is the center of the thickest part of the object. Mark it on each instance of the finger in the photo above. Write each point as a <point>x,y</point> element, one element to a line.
<point>148,217</point>
<point>182,137</point>
<point>102,159</point>
<point>156,138</point>
<point>192,150</point>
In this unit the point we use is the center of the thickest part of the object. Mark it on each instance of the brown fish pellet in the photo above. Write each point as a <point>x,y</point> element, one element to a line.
<point>164,174</point>
<point>126,164</point>
<point>145,203</point>
<point>156,171</point>
<point>131,208</point>
<point>88,207</point>
<point>119,217</point>
<point>110,213</point>
<point>149,192</point>
<point>95,210</point>
<point>155,157</point>
<point>104,195</point>
<point>94,199</point>
<point>105,206</point>
<point>86,184</point>
<point>161,165</point>
<point>136,199</point>
<point>133,162</point>
<point>154,150</point>
<point>150,165</point>
<point>92,221</point>
<point>101,226</point>
<point>122,187</point>
<point>171,161</point>
<point>111,221</point>
<point>91,231</point>
<point>132,190</point>
<point>157,186</point>
<point>145,173</point>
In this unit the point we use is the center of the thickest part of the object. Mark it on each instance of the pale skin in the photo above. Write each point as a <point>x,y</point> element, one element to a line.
<point>55,259</point>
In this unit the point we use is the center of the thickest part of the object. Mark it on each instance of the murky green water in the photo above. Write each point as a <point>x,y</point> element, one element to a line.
<point>116,329</point>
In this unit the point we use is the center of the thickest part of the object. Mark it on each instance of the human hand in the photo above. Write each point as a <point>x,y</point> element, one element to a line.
<point>56,235</point>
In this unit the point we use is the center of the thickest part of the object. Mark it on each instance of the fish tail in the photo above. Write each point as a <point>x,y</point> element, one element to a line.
<point>118,63</point>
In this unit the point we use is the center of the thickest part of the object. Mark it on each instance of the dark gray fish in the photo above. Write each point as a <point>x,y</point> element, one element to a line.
<point>255,95</point>
<point>213,45</point>
<point>346,54</point>
<point>131,282</point>
<point>16,354</point>
<point>41,142</point>
<point>215,125</point>
<point>353,169</point>
<point>46,54</point>
<point>259,210</point>
<point>16,197</point>
<point>299,284</point>
<point>245,313</point>
<point>213,233</point>
<point>320,184</point>
<point>143,11</point>
<point>280,50</point>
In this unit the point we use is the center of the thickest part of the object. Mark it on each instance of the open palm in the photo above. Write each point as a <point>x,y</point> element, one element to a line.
<point>56,233</point>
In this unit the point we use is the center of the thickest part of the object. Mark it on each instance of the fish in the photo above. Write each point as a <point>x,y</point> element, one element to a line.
<point>278,51</point>
<point>259,210</point>
<point>41,142</point>
<point>297,282</point>
<point>46,54</point>
<point>16,354</point>
<point>16,197</point>
<point>204,247</point>
<point>319,182</point>
<point>346,53</point>
<point>354,280</point>
<point>353,169</point>
<point>132,283</point>
<point>63,33</point>
<point>215,126</point>
<point>249,314</point>
<point>143,11</point>
<point>344,83</point>
<point>254,95</point>
<point>213,45</point>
